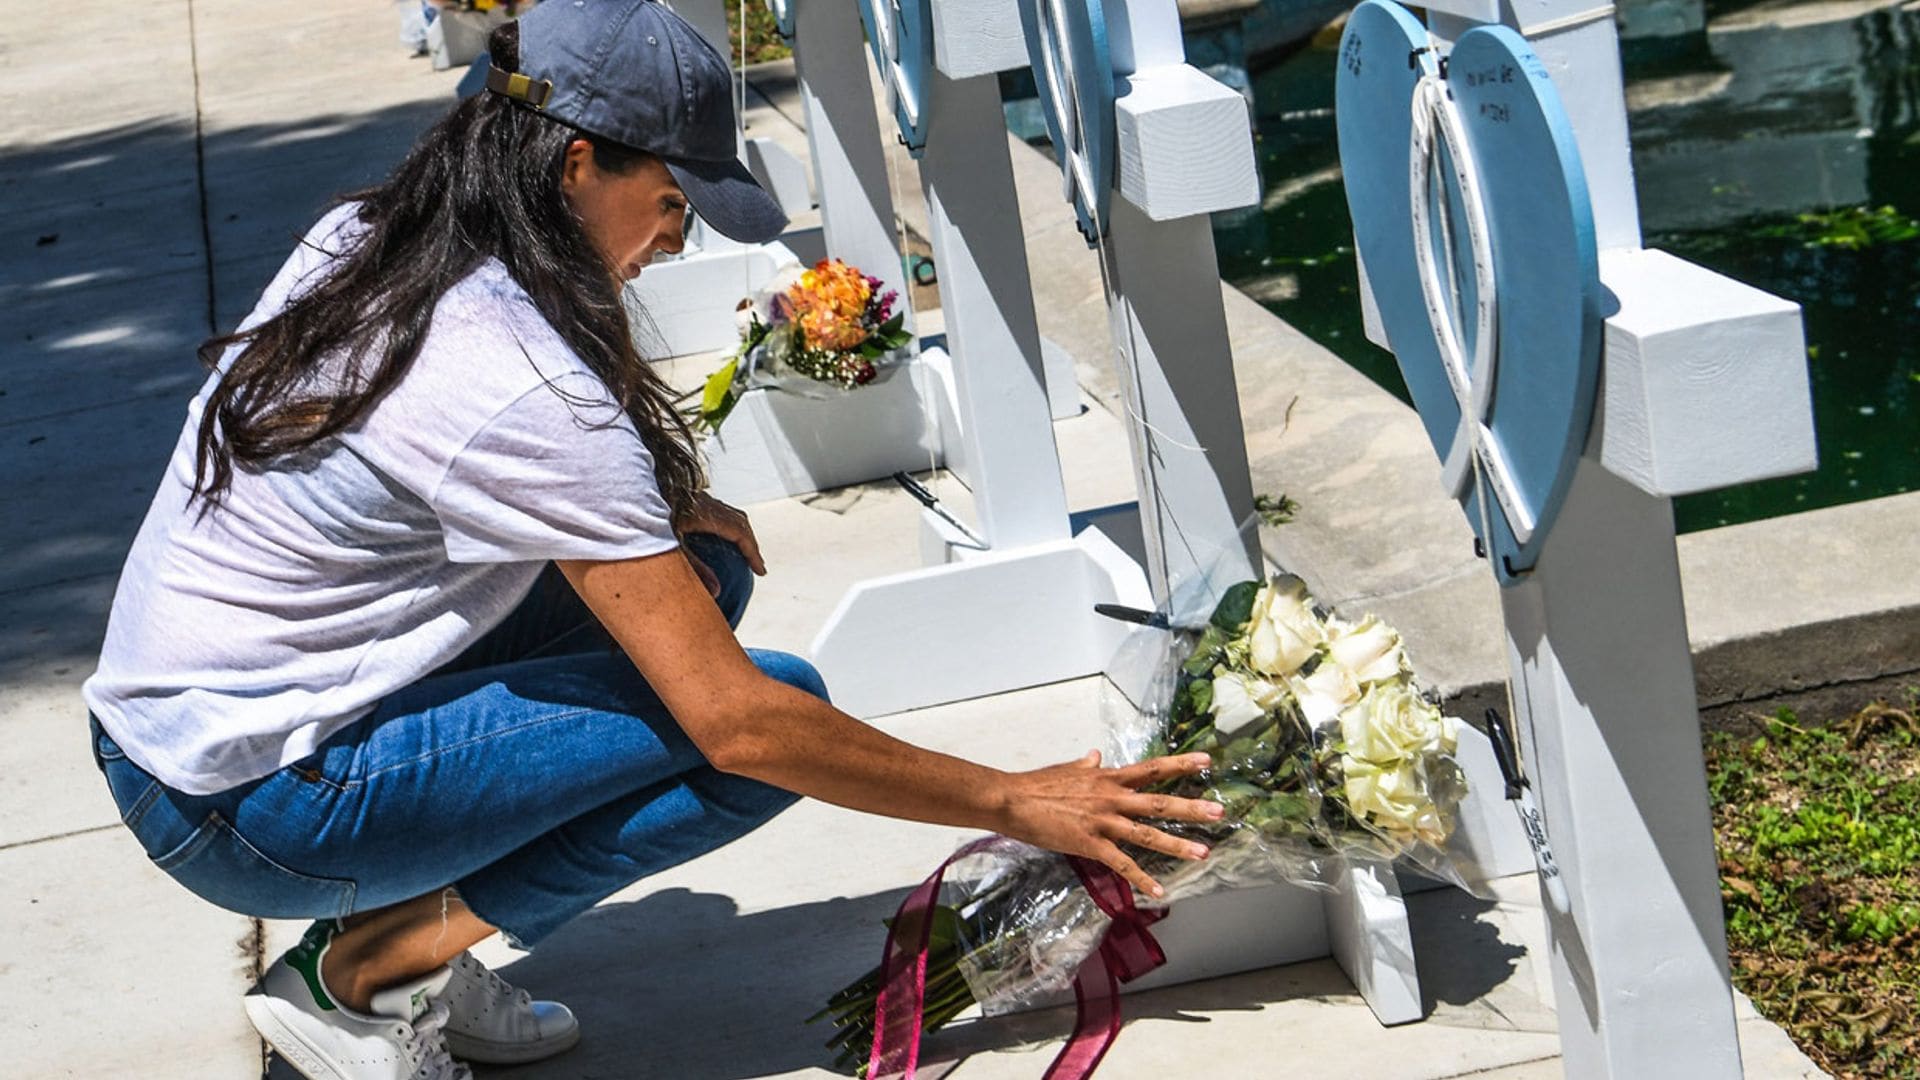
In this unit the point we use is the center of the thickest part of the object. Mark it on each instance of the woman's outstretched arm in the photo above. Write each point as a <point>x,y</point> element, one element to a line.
<point>756,726</point>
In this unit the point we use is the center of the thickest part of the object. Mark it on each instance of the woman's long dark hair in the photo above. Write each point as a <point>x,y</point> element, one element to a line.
<point>485,181</point>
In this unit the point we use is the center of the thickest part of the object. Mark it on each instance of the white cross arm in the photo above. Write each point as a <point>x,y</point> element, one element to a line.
<point>977,37</point>
<point>1534,18</point>
<point>1185,144</point>
<point>1705,380</point>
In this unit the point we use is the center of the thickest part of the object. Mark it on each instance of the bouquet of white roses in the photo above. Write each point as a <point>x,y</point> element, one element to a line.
<point>1323,750</point>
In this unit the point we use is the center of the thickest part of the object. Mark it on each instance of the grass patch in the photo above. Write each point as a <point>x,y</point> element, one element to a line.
<point>1818,831</point>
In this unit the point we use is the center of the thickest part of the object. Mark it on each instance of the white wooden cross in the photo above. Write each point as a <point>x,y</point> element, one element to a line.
<point>1181,149</point>
<point>1702,385</point>
<point>1017,610</point>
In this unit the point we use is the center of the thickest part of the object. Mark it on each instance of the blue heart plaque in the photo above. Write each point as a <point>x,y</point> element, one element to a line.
<point>901,35</point>
<point>1073,69</point>
<point>1472,221</point>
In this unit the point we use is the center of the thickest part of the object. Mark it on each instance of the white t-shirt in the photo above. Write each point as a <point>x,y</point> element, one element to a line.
<point>241,638</point>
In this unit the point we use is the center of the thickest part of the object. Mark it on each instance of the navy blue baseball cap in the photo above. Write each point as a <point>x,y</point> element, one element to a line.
<point>635,72</point>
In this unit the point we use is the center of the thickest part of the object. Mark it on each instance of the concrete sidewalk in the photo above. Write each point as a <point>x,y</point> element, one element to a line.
<point>157,164</point>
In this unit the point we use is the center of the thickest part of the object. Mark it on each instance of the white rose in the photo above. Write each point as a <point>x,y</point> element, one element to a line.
<point>1285,631</point>
<point>1326,693</point>
<point>1390,796</point>
<point>1392,723</point>
<point>1239,700</point>
<point>1370,649</point>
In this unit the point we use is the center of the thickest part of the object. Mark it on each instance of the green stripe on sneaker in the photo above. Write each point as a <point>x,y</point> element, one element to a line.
<point>305,959</point>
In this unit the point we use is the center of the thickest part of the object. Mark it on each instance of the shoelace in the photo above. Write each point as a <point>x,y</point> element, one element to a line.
<point>499,986</point>
<point>431,1047</point>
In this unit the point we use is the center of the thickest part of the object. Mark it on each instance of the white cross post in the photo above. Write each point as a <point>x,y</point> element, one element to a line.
<point>1183,149</point>
<point>843,139</point>
<point>1704,385</point>
<point>1016,610</point>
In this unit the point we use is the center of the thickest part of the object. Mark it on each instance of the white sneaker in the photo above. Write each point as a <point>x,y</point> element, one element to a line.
<point>491,1022</point>
<point>400,1039</point>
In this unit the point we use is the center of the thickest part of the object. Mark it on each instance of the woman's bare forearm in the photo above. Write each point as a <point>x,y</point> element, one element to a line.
<point>788,738</point>
<point>750,724</point>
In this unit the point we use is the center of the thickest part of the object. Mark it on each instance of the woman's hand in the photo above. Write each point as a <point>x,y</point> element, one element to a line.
<point>709,515</point>
<point>1080,808</point>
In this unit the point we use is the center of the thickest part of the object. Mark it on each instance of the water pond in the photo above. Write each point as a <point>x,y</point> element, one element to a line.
<point>1781,147</point>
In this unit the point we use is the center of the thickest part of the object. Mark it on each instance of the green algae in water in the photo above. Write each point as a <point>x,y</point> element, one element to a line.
<point>1854,228</point>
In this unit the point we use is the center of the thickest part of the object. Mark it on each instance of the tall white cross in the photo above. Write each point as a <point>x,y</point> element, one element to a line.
<point>1702,384</point>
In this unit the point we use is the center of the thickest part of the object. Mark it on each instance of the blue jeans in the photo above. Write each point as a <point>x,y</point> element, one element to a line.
<point>537,773</point>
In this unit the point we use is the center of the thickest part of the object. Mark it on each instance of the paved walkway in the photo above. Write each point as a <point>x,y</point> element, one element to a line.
<point>156,163</point>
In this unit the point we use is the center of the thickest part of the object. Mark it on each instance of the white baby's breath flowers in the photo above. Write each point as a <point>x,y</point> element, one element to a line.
<point>1284,633</point>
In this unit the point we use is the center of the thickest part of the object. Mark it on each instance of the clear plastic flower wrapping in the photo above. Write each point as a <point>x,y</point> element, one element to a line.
<point>1025,923</point>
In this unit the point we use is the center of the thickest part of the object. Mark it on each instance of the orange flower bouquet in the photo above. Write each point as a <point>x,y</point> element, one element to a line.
<point>829,324</point>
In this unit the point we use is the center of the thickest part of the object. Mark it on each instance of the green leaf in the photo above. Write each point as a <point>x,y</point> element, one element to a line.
<point>1251,755</point>
<point>719,397</point>
<point>1200,696</point>
<point>1235,607</point>
<point>1282,809</point>
<point>719,387</point>
<point>943,929</point>
<point>1206,651</point>
<point>1275,510</point>
<point>1237,796</point>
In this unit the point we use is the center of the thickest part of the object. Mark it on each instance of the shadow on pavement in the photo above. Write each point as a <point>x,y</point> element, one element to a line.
<point>105,294</point>
<point>1461,955</point>
<point>681,983</point>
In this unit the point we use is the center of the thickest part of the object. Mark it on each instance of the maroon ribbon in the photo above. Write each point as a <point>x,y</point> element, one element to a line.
<point>902,1005</point>
<point>1127,951</point>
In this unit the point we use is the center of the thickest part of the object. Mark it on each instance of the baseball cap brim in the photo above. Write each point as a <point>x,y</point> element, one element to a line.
<point>727,197</point>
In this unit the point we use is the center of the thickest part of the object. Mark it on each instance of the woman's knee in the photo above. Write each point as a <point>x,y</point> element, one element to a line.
<point>730,567</point>
<point>747,803</point>
<point>792,670</point>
